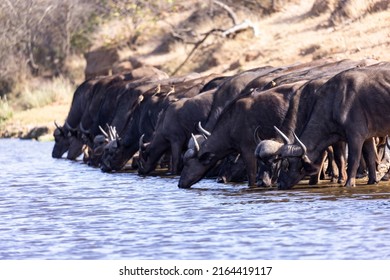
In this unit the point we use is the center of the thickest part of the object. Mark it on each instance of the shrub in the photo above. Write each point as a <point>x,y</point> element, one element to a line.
<point>43,92</point>
<point>6,111</point>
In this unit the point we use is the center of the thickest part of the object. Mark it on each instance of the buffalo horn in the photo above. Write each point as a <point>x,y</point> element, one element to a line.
<point>141,140</point>
<point>256,135</point>
<point>55,123</point>
<point>204,131</point>
<point>300,144</point>
<point>171,91</point>
<point>111,133</point>
<point>237,158</point>
<point>195,142</point>
<point>158,89</point>
<point>104,133</point>
<point>82,129</point>
<point>115,133</point>
<point>285,138</point>
<point>387,142</point>
<point>68,127</point>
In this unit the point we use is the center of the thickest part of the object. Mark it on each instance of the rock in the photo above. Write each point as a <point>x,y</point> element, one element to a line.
<point>100,62</point>
<point>36,132</point>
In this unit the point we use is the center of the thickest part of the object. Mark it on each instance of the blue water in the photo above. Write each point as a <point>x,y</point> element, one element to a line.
<point>58,209</point>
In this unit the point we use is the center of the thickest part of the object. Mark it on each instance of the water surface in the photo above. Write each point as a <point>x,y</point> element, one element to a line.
<point>58,209</point>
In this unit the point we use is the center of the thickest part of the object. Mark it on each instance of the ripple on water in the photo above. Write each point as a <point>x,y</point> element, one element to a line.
<point>58,209</point>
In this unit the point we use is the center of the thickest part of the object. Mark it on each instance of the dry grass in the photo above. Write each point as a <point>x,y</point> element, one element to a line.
<point>39,93</point>
<point>6,111</point>
<point>294,34</point>
<point>23,121</point>
<point>40,102</point>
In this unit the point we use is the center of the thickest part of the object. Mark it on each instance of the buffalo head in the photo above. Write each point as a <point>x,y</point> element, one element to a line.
<point>144,165</point>
<point>66,140</point>
<point>268,162</point>
<point>112,158</point>
<point>232,169</point>
<point>76,147</point>
<point>197,162</point>
<point>285,162</point>
<point>295,164</point>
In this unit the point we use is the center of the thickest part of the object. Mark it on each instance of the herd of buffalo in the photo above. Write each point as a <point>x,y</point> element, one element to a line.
<point>269,126</point>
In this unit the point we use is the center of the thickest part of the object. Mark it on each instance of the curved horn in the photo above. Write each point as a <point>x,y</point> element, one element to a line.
<point>171,91</point>
<point>68,127</point>
<point>237,158</point>
<point>141,140</point>
<point>256,135</point>
<point>55,123</point>
<point>197,148</point>
<point>114,132</point>
<point>285,138</point>
<point>83,130</point>
<point>387,142</point>
<point>111,132</point>
<point>300,144</point>
<point>104,133</point>
<point>204,131</point>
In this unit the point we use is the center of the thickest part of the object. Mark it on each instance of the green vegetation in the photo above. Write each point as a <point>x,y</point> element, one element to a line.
<point>42,93</point>
<point>6,111</point>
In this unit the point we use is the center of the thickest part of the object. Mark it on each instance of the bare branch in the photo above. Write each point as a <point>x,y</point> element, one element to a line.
<point>246,24</point>
<point>194,49</point>
<point>228,9</point>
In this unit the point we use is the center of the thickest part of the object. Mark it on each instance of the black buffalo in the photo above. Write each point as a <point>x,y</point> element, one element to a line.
<point>144,118</point>
<point>233,133</point>
<point>110,95</point>
<point>353,107</point>
<point>173,131</point>
<point>67,137</point>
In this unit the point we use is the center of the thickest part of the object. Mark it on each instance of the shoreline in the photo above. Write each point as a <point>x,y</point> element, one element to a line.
<point>36,123</point>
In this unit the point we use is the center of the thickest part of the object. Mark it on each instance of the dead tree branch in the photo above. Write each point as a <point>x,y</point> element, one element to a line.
<point>237,27</point>
<point>194,49</point>
<point>246,24</point>
<point>231,13</point>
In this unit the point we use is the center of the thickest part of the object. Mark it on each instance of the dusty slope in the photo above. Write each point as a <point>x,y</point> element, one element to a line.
<point>290,36</point>
<point>286,37</point>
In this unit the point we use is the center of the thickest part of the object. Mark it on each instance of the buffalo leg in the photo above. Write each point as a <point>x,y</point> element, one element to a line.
<point>177,163</point>
<point>330,168</point>
<point>339,150</point>
<point>354,155</point>
<point>362,169</point>
<point>370,156</point>
<point>314,179</point>
<point>250,163</point>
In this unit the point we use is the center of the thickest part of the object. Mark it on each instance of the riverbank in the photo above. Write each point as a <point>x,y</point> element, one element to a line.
<point>296,33</point>
<point>36,123</point>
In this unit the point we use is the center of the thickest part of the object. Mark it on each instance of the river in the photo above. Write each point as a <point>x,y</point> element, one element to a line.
<point>59,209</point>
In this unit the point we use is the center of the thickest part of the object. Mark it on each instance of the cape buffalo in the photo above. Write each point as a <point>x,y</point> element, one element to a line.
<point>66,137</point>
<point>234,133</point>
<point>143,119</point>
<point>352,106</point>
<point>173,131</point>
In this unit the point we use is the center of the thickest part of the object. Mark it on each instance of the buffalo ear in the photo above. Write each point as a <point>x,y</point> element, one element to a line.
<point>190,153</point>
<point>207,158</point>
